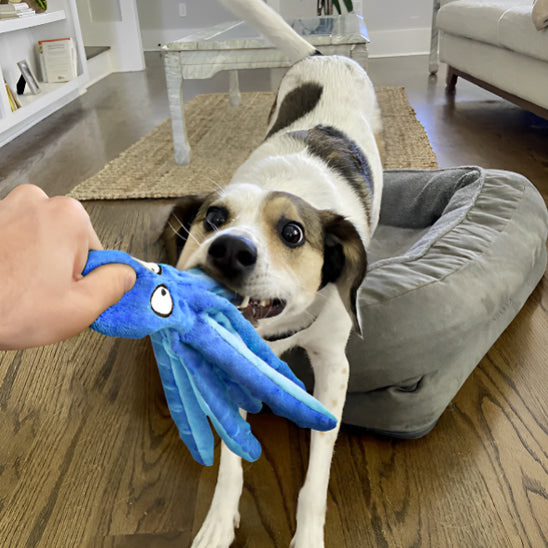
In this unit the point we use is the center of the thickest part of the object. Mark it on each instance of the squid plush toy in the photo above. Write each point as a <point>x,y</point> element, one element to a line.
<point>211,360</point>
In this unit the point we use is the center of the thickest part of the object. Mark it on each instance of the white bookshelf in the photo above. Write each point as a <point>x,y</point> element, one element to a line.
<point>18,41</point>
<point>10,25</point>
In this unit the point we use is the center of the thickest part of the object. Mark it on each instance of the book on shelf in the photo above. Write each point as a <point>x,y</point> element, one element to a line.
<point>11,11</point>
<point>58,60</point>
<point>12,98</point>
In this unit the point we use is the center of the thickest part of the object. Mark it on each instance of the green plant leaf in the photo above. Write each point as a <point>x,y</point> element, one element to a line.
<point>349,5</point>
<point>337,6</point>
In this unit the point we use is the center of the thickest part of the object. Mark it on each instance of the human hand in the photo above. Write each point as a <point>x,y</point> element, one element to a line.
<point>44,245</point>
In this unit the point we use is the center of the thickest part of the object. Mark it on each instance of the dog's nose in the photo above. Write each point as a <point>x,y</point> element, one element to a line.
<point>233,255</point>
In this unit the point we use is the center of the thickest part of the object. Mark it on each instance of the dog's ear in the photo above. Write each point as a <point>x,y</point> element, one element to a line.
<point>345,261</point>
<point>177,227</point>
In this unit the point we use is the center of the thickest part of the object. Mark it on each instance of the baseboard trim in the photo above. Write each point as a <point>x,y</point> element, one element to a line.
<point>399,42</point>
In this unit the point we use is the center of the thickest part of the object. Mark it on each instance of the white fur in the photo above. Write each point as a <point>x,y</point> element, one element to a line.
<point>281,163</point>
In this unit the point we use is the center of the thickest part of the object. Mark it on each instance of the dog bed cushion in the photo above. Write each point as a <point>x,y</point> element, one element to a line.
<point>456,254</point>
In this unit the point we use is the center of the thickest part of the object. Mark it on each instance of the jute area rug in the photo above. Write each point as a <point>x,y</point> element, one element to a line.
<point>222,137</point>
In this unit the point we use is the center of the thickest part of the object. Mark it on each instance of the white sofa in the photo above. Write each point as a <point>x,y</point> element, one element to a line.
<point>501,45</point>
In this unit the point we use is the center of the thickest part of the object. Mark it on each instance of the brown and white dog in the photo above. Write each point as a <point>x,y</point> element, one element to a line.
<point>289,234</point>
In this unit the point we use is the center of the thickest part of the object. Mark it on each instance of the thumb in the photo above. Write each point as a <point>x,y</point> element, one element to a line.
<point>102,288</point>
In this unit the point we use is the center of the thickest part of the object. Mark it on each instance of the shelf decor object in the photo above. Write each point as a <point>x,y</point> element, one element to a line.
<point>26,78</point>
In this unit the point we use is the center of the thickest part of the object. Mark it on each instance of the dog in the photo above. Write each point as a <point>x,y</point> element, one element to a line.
<point>289,234</point>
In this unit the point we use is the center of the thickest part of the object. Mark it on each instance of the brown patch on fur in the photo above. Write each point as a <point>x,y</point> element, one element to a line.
<point>333,252</point>
<point>345,261</point>
<point>305,260</point>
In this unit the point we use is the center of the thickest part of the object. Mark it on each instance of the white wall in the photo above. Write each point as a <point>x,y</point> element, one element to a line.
<point>161,22</point>
<point>294,8</point>
<point>396,27</point>
<point>114,24</point>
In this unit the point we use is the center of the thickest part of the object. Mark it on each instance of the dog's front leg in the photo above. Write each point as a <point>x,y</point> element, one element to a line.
<point>331,373</point>
<point>223,516</point>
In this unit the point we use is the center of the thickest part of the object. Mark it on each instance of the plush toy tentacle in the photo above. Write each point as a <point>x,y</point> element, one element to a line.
<point>223,413</point>
<point>239,394</point>
<point>284,397</point>
<point>245,331</point>
<point>228,316</point>
<point>183,404</point>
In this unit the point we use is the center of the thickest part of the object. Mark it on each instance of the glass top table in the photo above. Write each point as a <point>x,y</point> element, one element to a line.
<point>234,46</point>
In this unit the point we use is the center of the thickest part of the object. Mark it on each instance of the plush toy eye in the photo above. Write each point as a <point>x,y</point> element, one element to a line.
<point>215,217</point>
<point>292,234</point>
<point>161,301</point>
<point>153,267</point>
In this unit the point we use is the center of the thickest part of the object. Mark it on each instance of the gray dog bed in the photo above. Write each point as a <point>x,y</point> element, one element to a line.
<point>455,256</point>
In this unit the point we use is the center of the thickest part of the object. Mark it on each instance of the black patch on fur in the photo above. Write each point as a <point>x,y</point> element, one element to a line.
<point>178,225</point>
<point>333,262</point>
<point>296,104</point>
<point>343,155</point>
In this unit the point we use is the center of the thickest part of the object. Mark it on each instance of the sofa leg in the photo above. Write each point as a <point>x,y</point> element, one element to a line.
<point>450,80</point>
<point>433,60</point>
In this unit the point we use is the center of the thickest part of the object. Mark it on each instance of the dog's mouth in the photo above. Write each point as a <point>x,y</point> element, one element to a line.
<point>258,309</point>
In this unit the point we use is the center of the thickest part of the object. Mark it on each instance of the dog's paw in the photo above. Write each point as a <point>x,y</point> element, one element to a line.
<point>217,531</point>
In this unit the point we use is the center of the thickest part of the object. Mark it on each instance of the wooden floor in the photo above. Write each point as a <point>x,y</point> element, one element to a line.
<point>89,455</point>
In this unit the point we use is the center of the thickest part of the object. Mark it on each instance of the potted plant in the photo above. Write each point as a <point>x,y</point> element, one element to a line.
<point>325,7</point>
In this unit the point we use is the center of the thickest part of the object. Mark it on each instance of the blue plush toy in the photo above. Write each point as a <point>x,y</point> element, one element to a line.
<point>211,360</point>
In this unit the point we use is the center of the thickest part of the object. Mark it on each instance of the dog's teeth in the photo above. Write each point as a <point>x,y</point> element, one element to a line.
<point>245,302</point>
<point>264,302</point>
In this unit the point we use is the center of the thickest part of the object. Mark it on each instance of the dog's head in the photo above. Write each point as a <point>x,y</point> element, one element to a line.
<point>272,248</point>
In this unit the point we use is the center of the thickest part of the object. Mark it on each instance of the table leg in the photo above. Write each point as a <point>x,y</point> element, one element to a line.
<point>234,94</point>
<point>174,81</point>
<point>359,54</point>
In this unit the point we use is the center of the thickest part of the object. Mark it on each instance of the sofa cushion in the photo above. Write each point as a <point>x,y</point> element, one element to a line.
<point>518,33</point>
<point>476,19</point>
<point>506,23</point>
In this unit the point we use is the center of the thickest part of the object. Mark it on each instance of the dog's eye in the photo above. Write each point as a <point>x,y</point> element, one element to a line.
<point>292,234</point>
<point>215,217</point>
<point>161,301</point>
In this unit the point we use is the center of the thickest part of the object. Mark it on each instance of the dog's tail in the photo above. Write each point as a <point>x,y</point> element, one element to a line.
<point>271,24</point>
